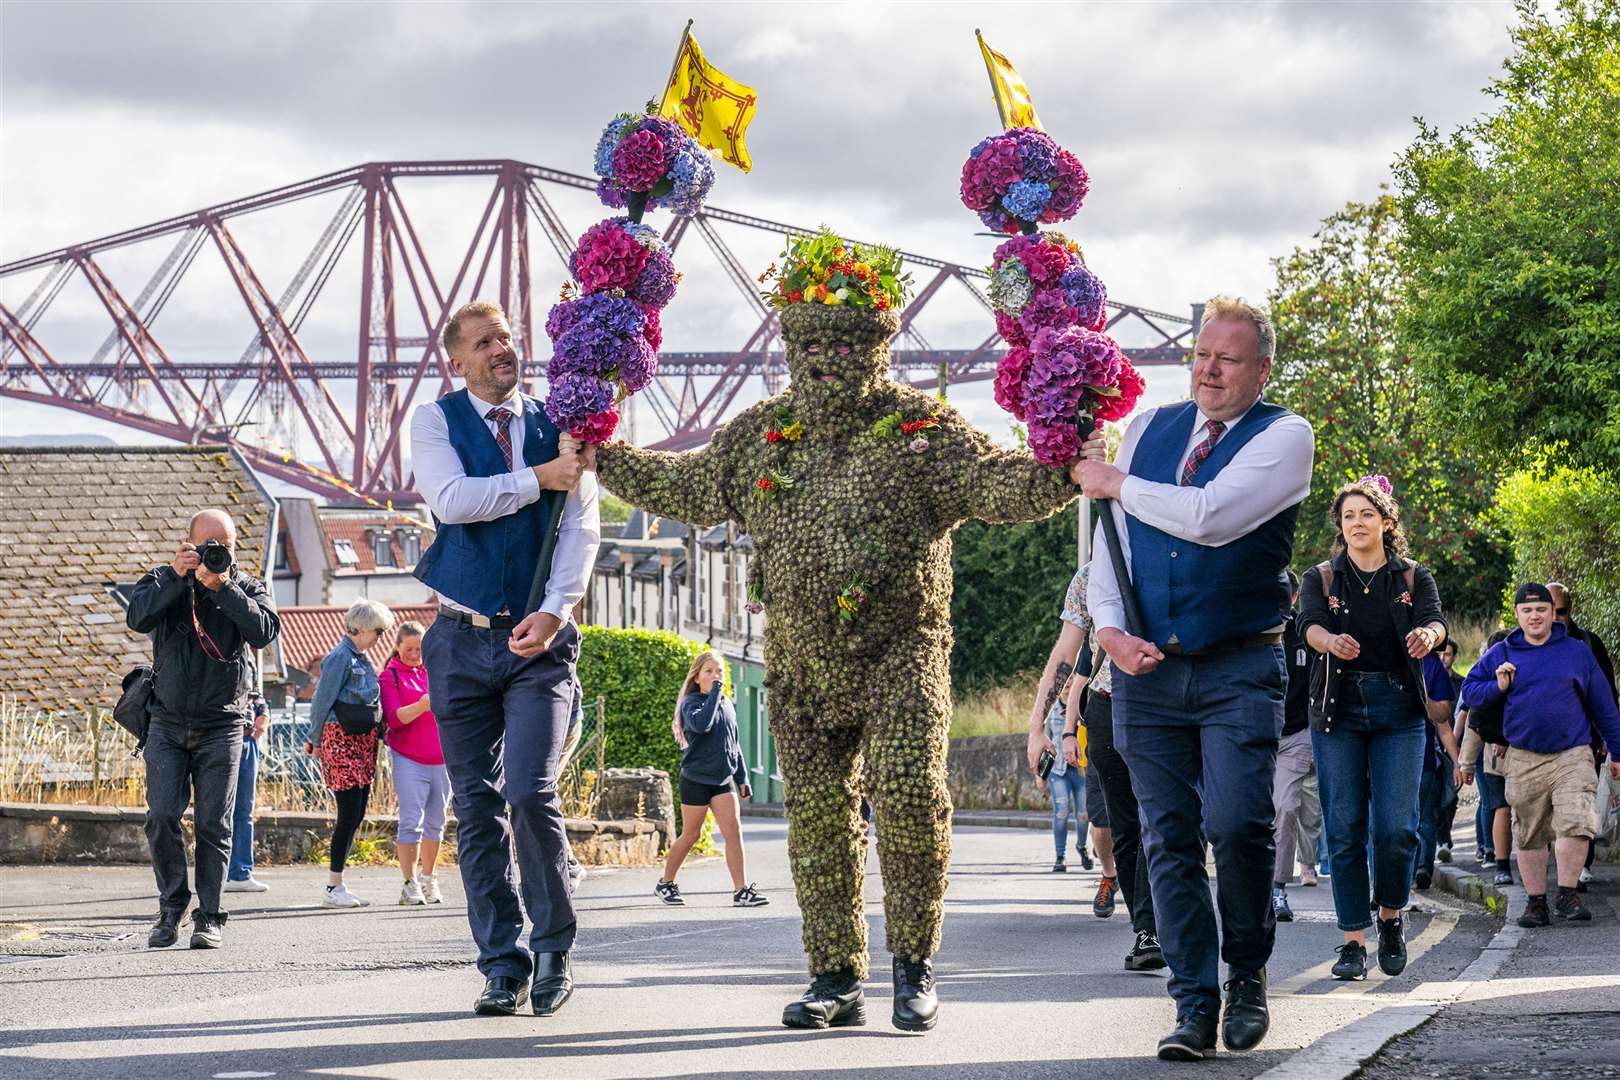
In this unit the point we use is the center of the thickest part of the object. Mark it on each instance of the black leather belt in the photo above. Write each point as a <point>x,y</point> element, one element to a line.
<point>1230,645</point>
<point>483,622</point>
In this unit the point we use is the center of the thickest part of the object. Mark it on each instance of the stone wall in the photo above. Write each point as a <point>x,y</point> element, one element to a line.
<point>990,772</point>
<point>33,833</point>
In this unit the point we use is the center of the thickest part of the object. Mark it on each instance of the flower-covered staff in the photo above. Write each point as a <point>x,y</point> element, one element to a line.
<point>853,567</point>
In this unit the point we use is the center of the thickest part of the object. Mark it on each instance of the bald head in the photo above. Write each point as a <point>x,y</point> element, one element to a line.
<point>209,525</point>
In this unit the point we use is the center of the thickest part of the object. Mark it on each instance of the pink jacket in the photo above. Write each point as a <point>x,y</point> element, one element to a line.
<point>418,740</point>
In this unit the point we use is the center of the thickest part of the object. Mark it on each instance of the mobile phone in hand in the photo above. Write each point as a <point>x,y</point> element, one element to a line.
<point>1044,763</point>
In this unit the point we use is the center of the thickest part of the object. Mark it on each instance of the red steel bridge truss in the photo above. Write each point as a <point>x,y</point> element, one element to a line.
<point>133,380</point>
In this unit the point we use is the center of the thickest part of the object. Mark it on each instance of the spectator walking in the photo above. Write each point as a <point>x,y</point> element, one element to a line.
<point>344,717</point>
<point>421,782</point>
<point>1553,695</point>
<point>1439,753</point>
<point>239,876</point>
<point>1066,783</point>
<point>206,617</point>
<point>1299,812</point>
<point>1483,749</point>
<point>1372,615</point>
<point>1563,605</point>
<point>1448,799</point>
<point>1123,861</point>
<point>713,778</point>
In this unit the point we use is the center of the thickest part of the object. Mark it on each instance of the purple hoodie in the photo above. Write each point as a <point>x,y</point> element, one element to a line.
<point>1556,697</point>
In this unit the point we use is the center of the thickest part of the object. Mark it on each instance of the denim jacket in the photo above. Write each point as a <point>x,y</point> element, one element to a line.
<point>346,675</point>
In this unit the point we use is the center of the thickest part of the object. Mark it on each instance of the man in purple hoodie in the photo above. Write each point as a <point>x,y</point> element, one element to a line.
<point>1554,697</point>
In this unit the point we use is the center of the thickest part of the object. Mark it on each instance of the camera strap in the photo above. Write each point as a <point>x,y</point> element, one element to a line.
<point>209,648</point>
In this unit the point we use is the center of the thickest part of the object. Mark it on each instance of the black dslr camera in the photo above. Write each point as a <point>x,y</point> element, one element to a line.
<point>215,556</point>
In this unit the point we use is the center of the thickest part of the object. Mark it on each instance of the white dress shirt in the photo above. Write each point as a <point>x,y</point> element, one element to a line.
<point>1270,473</point>
<point>457,498</point>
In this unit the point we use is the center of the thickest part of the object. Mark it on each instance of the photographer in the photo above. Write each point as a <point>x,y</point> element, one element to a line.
<point>205,617</point>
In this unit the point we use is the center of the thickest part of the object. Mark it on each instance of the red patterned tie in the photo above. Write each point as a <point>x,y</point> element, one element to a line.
<point>1201,452</point>
<point>502,417</point>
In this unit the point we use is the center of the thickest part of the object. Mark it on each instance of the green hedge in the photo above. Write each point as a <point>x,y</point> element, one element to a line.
<point>637,673</point>
<point>1561,523</point>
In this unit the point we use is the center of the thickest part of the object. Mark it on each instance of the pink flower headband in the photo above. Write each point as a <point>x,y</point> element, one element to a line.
<point>1379,481</point>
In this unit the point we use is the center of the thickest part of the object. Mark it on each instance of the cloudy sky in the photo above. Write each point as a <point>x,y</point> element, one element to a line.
<point>1216,134</point>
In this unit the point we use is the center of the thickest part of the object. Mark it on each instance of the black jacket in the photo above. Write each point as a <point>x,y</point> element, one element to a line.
<point>1420,607</point>
<point>1296,711</point>
<point>189,687</point>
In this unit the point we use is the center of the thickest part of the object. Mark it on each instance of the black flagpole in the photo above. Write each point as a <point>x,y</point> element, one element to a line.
<point>1134,623</point>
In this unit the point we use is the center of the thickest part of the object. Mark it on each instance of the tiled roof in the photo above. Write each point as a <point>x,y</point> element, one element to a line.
<point>309,633</point>
<point>74,520</point>
<point>340,526</point>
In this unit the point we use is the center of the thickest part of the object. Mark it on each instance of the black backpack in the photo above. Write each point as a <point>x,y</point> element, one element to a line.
<point>133,712</point>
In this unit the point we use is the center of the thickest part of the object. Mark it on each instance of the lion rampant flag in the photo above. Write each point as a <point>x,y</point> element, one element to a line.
<point>710,104</point>
<point>1012,96</point>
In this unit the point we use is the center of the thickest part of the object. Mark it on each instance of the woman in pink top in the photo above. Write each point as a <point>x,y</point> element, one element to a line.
<point>420,779</point>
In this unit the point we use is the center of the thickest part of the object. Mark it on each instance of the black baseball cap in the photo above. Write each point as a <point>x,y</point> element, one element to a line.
<point>1532,592</point>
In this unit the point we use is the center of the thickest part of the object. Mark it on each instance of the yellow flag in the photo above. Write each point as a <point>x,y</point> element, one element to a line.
<point>710,104</point>
<point>1012,96</point>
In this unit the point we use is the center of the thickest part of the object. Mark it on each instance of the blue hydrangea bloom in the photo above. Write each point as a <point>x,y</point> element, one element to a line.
<point>1025,199</point>
<point>611,135</point>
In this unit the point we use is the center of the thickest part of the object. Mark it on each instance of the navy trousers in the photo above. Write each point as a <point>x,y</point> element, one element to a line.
<point>1200,734</point>
<point>503,720</point>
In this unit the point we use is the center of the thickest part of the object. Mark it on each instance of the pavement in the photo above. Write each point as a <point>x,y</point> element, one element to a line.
<point>1031,983</point>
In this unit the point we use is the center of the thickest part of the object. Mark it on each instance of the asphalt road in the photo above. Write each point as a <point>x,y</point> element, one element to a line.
<point>1032,985</point>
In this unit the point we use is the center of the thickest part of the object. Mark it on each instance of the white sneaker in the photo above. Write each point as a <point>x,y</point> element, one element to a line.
<point>340,896</point>
<point>411,894</point>
<point>247,884</point>
<point>1586,876</point>
<point>430,889</point>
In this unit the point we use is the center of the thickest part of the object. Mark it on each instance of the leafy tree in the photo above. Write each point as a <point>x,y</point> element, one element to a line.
<point>614,510</point>
<point>1561,521</point>
<point>1512,250</point>
<point>1340,365</point>
<point>1009,586</point>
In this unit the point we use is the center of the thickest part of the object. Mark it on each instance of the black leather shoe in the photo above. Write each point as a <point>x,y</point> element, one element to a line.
<point>916,1002</point>
<point>1391,946</point>
<point>208,929</point>
<point>553,982</point>
<point>502,996</point>
<point>835,999</point>
<point>1247,1017</point>
<point>1192,1040</point>
<point>165,932</point>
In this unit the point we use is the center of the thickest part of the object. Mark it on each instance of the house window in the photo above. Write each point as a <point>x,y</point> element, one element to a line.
<point>700,583</point>
<point>345,553</point>
<point>382,549</point>
<point>281,551</point>
<point>413,547</point>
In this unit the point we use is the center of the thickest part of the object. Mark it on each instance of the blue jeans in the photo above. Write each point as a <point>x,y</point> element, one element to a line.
<point>1431,798</point>
<point>1068,795</point>
<point>1199,735</point>
<point>247,775</point>
<point>503,720</point>
<point>1371,763</point>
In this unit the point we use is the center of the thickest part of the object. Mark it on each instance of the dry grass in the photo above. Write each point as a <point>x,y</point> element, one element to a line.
<point>1002,710</point>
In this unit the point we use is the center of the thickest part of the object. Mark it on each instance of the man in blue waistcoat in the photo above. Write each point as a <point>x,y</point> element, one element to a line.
<point>1205,494</point>
<point>501,678</point>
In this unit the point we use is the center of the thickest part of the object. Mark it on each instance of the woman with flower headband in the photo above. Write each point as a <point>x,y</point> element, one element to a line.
<point>1373,616</point>
<point>714,778</point>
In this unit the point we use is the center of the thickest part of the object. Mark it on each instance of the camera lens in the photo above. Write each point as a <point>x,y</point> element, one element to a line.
<point>216,557</point>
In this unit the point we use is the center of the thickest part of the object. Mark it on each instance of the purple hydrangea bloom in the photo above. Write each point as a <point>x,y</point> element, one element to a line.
<point>1026,199</point>
<point>1086,293</point>
<point>667,130</point>
<point>692,173</point>
<point>656,285</point>
<point>994,217</point>
<point>1040,158</point>
<point>636,363</point>
<point>609,193</point>
<point>1054,444</point>
<point>1062,364</point>
<point>574,399</point>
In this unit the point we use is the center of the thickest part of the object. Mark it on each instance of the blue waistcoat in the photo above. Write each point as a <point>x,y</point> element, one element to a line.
<point>489,565</point>
<point>1203,596</point>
